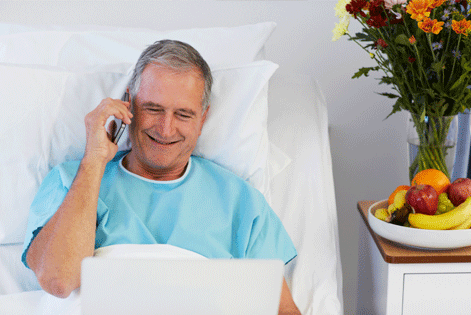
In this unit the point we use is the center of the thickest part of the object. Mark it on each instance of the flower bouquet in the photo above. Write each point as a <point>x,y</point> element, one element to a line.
<point>423,49</point>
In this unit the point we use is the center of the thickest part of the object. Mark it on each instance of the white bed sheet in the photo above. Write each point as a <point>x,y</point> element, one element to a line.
<point>303,195</point>
<point>14,276</point>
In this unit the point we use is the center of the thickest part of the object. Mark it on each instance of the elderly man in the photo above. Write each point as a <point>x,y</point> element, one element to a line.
<point>156,193</point>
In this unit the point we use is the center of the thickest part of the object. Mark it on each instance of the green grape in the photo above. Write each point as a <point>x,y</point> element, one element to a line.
<point>444,204</point>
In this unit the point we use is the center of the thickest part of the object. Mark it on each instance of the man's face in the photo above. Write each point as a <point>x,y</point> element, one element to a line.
<point>167,121</point>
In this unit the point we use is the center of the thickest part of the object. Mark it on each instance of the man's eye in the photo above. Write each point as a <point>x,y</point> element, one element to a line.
<point>183,116</point>
<point>154,110</point>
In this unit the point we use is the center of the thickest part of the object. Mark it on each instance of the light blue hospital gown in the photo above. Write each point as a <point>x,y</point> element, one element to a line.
<point>208,210</point>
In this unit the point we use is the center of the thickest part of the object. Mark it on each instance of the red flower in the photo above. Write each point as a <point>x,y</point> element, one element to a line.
<point>381,42</point>
<point>376,7</point>
<point>356,7</point>
<point>411,59</point>
<point>376,21</point>
<point>377,17</point>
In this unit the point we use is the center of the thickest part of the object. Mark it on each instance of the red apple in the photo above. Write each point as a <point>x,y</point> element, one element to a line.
<point>423,199</point>
<point>459,190</point>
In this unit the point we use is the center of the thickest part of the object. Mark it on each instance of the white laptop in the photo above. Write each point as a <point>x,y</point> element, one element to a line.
<point>170,287</point>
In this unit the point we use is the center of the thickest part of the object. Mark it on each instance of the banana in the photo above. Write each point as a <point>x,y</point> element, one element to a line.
<point>443,221</point>
<point>463,226</point>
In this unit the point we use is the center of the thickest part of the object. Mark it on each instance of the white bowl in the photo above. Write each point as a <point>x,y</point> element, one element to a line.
<point>428,239</point>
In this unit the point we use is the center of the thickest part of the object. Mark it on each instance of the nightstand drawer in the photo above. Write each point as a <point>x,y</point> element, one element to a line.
<point>437,293</point>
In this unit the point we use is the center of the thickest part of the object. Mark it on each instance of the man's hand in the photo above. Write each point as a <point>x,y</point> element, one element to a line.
<point>99,147</point>
<point>287,305</point>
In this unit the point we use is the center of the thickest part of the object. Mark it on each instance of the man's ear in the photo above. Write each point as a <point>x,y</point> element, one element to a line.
<point>130,100</point>
<point>205,114</point>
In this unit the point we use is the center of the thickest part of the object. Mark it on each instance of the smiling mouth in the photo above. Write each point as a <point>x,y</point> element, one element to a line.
<point>161,142</point>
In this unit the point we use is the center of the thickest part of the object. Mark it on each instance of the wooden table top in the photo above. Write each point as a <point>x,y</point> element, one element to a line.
<point>395,253</point>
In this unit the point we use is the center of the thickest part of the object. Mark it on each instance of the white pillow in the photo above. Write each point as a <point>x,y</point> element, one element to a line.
<point>83,50</point>
<point>35,134</point>
<point>235,133</point>
<point>45,126</point>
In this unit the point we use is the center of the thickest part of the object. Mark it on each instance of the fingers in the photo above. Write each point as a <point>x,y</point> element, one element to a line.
<point>124,112</point>
<point>99,144</point>
<point>117,108</point>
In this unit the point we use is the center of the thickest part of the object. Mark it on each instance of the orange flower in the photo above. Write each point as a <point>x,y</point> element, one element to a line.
<point>419,9</point>
<point>461,27</point>
<point>412,40</point>
<point>431,26</point>
<point>437,3</point>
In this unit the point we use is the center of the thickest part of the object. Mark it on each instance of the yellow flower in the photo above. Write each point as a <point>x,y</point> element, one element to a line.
<point>372,55</point>
<point>412,40</point>
<point>419,9</point>
<point>340,29</point>
<point>340,8</point>
<point>431,26</point>
<point>461,27</point>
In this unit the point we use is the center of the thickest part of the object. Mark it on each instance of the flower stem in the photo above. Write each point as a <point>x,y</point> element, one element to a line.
<point>432,147</point>
<point>454,60</point>
<point>429,40</point>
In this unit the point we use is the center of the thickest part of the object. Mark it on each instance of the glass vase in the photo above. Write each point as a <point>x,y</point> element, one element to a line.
<point>432,143</point>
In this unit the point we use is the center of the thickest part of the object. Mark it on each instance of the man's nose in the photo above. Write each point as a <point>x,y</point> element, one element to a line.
<point>167,125</point>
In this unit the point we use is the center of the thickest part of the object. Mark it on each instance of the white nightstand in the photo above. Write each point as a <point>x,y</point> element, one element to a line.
<point>395,279</point>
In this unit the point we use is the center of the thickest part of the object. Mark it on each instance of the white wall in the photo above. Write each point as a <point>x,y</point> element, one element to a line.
<point>369,154</point>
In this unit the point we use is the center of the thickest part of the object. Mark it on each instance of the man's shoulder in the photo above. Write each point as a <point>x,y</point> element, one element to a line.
<point>223,176</point>
<point>208,166</point>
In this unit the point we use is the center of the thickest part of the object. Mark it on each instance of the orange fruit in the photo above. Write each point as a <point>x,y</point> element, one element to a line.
<point>435,178</point>
<point>398,189</point>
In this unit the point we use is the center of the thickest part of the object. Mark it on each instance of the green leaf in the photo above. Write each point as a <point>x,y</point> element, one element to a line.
<point>402,50</point>
<point>389,95</point>
<point>467,100</point>
<point>398,106</point>
<point>362,37</point>
<point>364,71</point>
<point>391,80</point>
<point>461,81</point>
<point>422,116</point>
<point>437,66</point>
<point>466,64</point>
<point>402,39</point>
<point>430,92</point>
<point>438,88</point>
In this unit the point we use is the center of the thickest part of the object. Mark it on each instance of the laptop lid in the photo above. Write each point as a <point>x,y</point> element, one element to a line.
<point>151,286</point>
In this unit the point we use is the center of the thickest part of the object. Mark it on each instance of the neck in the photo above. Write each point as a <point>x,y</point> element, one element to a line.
<point>153,173</point>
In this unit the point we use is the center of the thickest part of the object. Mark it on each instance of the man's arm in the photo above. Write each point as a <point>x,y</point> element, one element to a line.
<point>56,253</point>
<point>287,305</point>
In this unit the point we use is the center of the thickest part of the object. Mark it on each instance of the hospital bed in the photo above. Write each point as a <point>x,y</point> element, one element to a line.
<point>268,126</point>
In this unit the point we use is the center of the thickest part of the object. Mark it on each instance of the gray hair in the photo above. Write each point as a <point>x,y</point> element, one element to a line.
<point>175,55</point>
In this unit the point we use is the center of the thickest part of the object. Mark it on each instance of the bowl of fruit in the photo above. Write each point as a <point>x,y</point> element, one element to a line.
<point>431,213</point>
